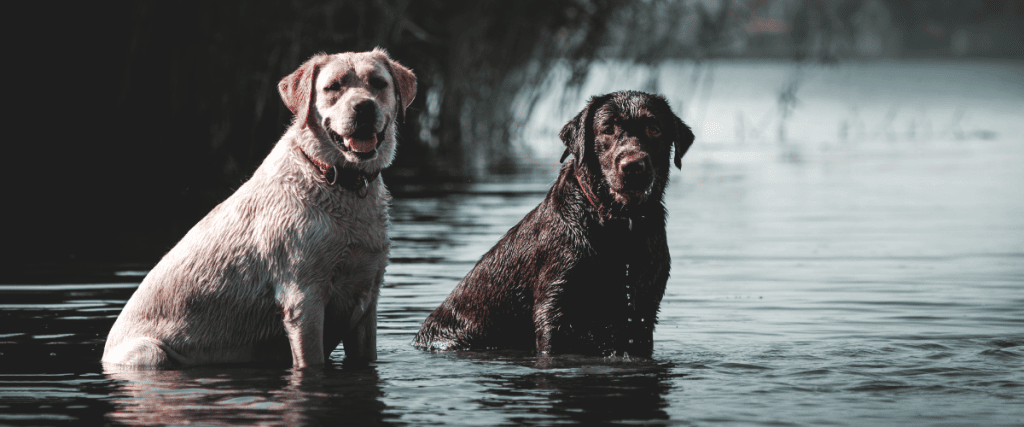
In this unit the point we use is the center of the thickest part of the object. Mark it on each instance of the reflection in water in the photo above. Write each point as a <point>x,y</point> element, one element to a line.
<point>590,391</point>
<point>512,386</point>
<point>249,396</point>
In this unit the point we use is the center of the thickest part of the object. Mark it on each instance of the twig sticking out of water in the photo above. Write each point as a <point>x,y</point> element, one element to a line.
<point>787,100</point>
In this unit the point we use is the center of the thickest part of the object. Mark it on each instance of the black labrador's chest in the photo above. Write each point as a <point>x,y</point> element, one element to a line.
<point>604,307</point>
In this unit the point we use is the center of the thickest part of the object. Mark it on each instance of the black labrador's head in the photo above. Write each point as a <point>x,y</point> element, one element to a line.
<point>623,140</point>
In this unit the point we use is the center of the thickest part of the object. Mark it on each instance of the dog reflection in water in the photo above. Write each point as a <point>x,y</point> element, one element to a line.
<point>252,396</point>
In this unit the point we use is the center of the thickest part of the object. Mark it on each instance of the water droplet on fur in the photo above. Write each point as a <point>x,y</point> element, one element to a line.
<point>629,319</point>
<point>53,354</point>
<point>630,341</point>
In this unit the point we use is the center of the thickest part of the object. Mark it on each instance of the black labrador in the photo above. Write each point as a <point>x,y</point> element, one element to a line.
<point>585,271</point>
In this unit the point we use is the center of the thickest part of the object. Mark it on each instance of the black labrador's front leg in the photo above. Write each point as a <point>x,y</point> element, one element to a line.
<point>544,314</point>
<point>645,289</point>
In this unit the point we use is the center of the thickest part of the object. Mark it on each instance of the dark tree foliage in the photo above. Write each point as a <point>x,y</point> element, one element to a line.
<point>170,106</point>
<point>218,63</point>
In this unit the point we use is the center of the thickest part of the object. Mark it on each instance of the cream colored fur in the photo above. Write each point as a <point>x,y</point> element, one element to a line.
<point>289,266</point>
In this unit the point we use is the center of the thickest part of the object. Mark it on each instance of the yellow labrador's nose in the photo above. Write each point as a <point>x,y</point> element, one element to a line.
<point>366,112</point>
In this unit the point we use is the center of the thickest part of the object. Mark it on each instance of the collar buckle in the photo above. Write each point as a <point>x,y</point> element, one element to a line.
<point>331,175</point>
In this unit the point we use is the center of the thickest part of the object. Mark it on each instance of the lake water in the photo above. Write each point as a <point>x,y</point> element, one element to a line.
<point>872,280</point>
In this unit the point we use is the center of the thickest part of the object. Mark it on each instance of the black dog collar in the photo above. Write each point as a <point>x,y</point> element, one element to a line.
<point>353,180</point>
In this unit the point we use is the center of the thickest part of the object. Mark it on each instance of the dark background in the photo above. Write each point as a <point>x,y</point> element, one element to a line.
<point>131,120</point>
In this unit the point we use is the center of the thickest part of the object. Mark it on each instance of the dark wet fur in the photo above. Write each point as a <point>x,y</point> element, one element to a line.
<point>573,277</point>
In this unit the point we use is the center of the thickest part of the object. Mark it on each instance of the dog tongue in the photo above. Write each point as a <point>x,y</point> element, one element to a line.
<point>363,145</point>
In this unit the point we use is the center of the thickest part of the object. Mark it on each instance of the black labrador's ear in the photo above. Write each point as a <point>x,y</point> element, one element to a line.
<point>564,154</point>
<point>683,140</point>
<point>580,130</point>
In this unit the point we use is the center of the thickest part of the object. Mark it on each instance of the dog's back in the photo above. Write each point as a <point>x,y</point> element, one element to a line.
<point>213,297</point>
<point>190,302</point>
<point>493,306</point>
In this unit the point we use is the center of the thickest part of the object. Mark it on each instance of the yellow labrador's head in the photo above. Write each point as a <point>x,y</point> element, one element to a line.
<point>350,102</point>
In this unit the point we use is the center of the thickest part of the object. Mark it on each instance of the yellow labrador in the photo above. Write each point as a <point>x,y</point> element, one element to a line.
<point>291,264</point>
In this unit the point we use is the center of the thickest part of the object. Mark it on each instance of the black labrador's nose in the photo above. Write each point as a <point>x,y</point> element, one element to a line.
<point>366,111</point>
<point>633,165</point>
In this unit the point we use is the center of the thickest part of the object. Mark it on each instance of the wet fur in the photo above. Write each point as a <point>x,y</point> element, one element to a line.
<point>289,266</point>
<point>557,282</point>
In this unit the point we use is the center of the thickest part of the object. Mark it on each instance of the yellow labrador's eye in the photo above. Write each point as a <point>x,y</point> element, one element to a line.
<point>378,83</point>
<point>333,87</point>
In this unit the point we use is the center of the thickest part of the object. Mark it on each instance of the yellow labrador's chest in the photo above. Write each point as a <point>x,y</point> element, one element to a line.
<point>356,279</point>
<point>365,227</point>
<point>361,245</point>
<point>351,220</point>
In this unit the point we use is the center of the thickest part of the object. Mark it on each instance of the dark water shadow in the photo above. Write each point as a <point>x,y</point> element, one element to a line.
<point>582,389</point>
<point>247,396</point>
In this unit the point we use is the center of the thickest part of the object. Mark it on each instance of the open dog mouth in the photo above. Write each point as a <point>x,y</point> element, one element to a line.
<point>635,194</point>
<point>363,142</point>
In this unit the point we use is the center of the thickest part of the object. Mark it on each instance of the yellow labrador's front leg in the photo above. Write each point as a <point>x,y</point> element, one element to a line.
<point>303,316</point>
<point>360,340</point>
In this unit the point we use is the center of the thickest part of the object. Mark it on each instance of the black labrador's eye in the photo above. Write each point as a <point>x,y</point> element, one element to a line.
<point>333,87</point>
<point>608,130</point>
<point>378,83</point>
<point>654,130</point>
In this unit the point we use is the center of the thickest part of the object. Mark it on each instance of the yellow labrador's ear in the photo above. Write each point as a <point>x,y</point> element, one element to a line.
<point>579,132</point>
<point>405,82</point>
<point>683,140</point>
<point>297,88</point>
